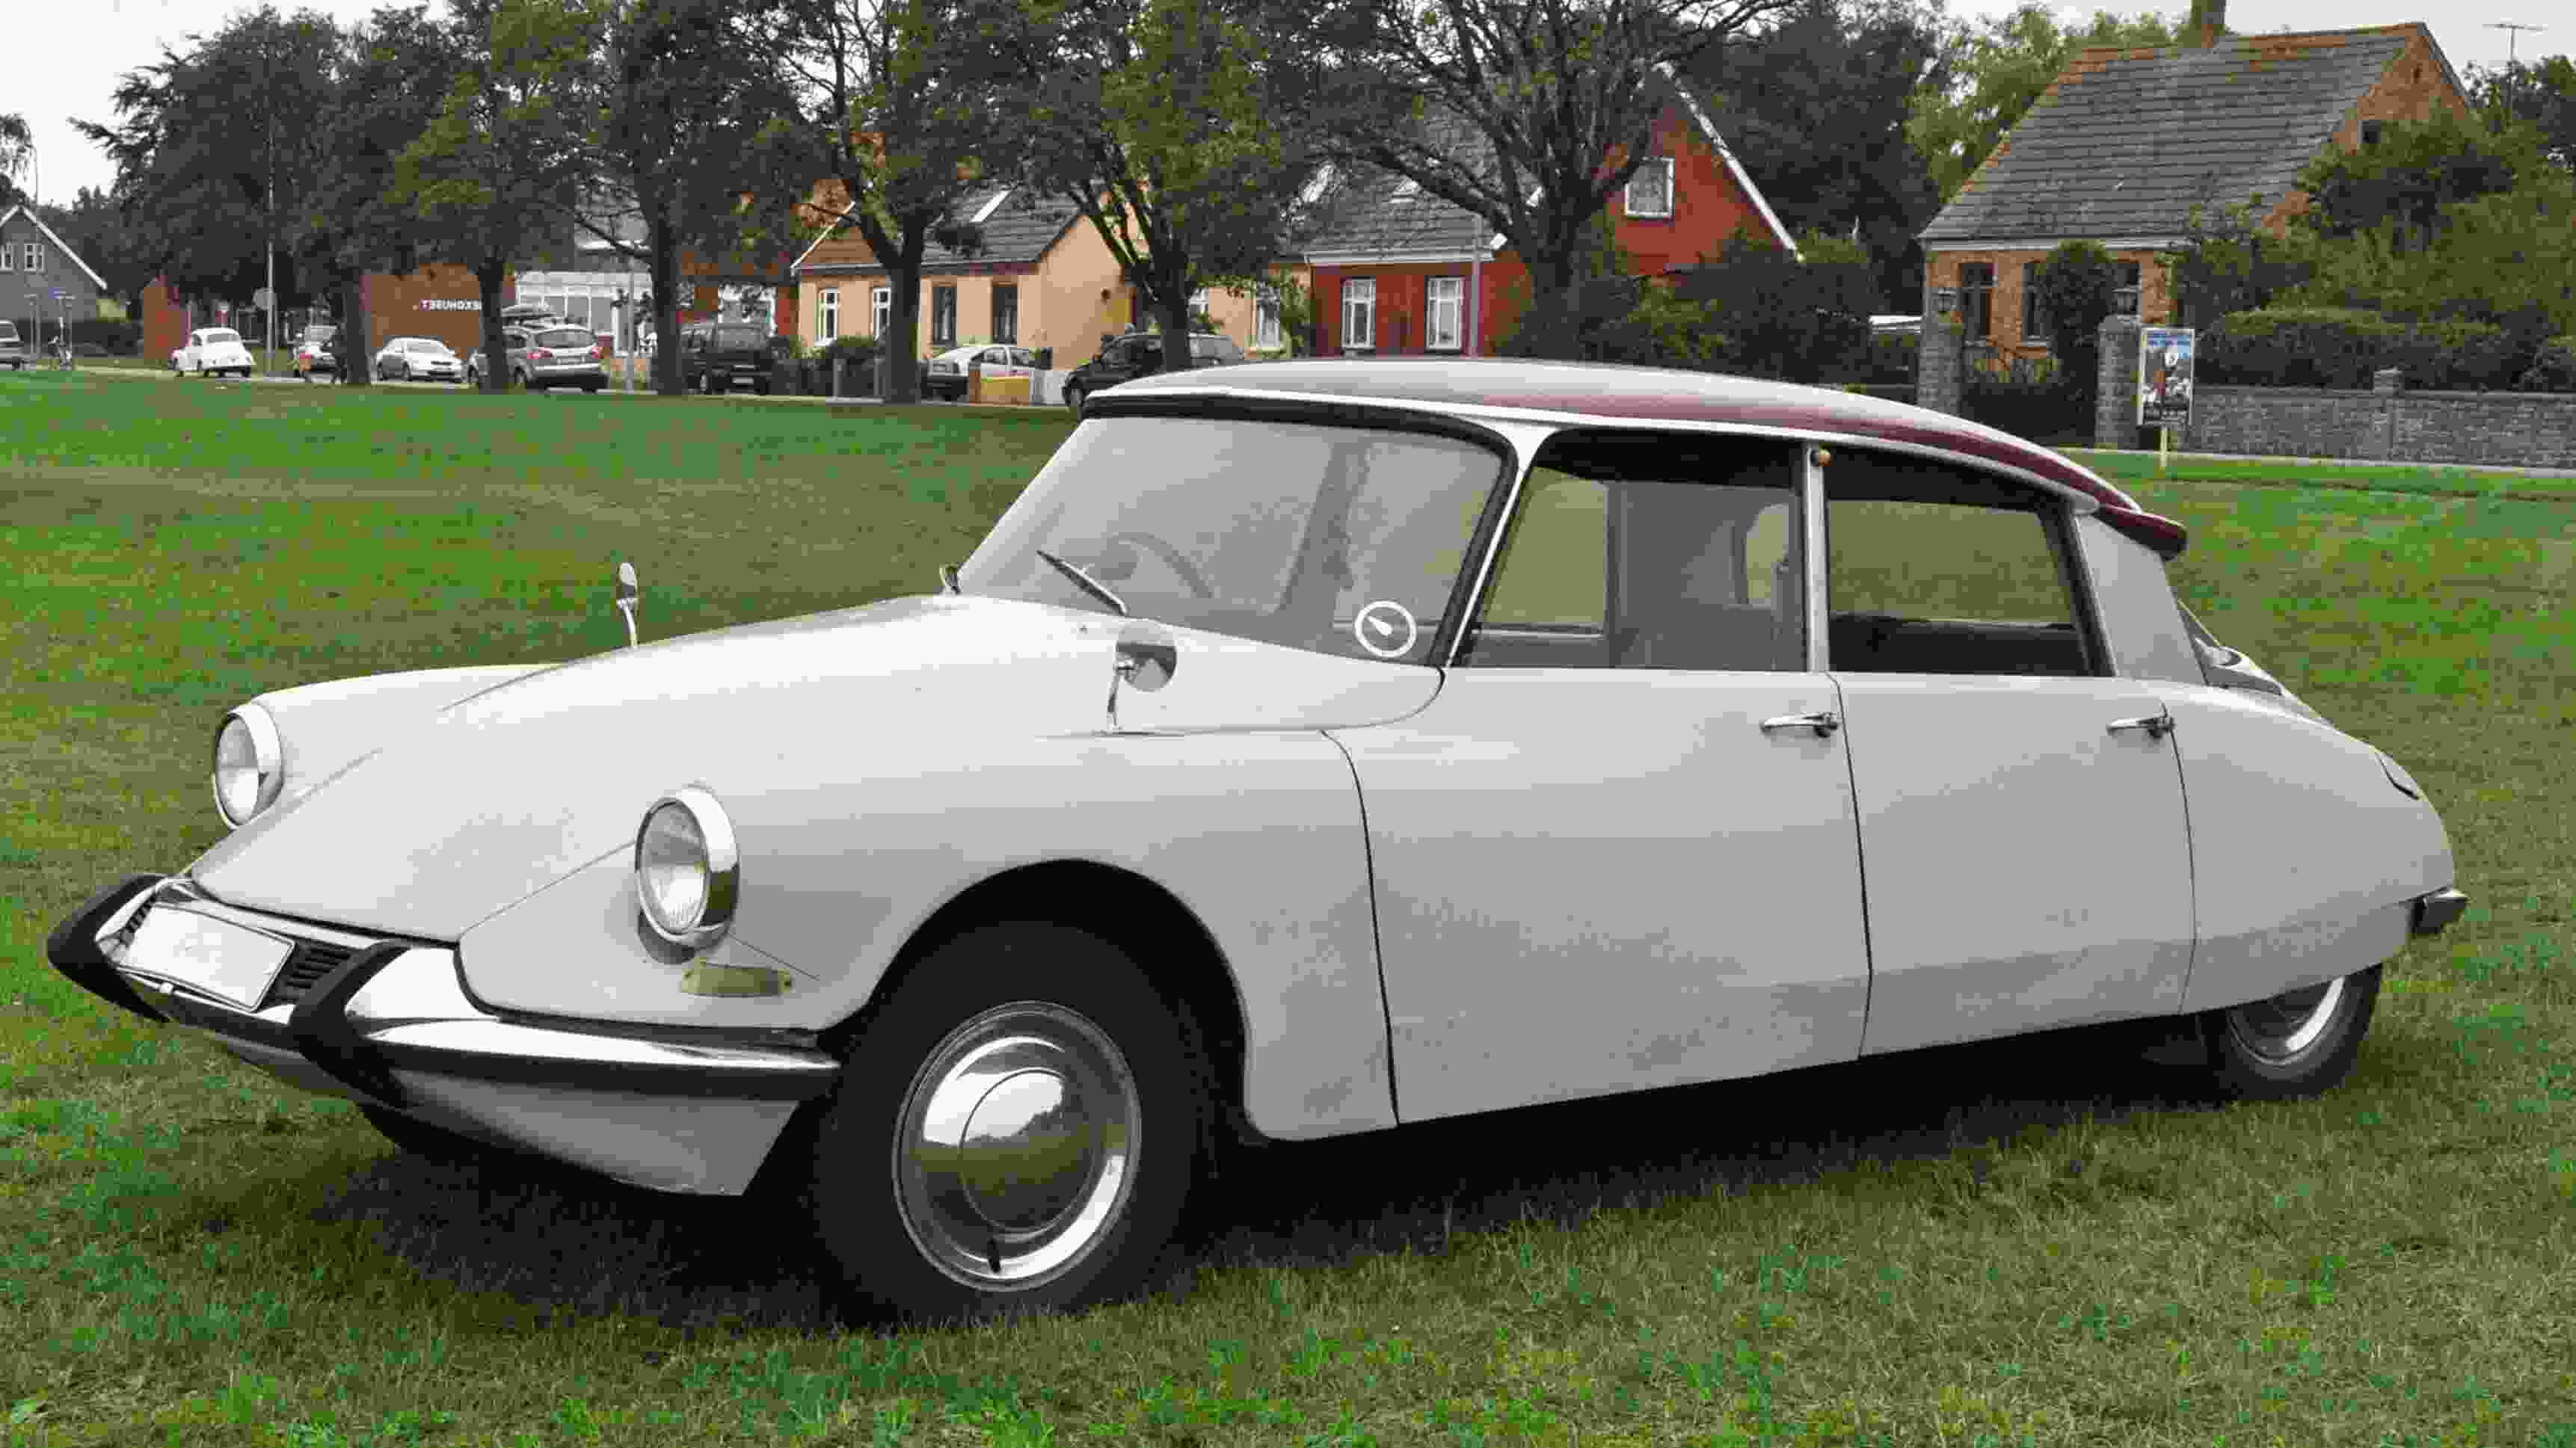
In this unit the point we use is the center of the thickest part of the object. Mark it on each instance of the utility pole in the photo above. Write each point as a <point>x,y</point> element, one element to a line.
<point>2513,35</point>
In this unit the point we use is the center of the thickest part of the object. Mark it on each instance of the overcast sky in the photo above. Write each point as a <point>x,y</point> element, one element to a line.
<point>80,48</point>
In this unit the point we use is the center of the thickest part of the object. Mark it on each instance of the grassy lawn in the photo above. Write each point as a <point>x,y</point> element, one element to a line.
<point>2039,1241</point>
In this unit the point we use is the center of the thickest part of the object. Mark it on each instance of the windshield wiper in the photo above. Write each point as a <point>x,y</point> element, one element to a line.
<point>1090,585</point>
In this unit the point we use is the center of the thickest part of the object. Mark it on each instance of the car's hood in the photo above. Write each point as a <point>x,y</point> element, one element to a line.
<point>495,796</point>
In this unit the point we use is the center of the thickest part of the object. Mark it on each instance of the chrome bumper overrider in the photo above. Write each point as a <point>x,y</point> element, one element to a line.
<point>2434,911</point>
<point>394,1025</point>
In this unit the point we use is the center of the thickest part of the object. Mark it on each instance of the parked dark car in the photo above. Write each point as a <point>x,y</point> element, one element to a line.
<point>1140,354</point>
<point>314,352</point>
<point>720,356</point>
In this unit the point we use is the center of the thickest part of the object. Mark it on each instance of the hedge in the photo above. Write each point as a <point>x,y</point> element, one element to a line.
<point>2342,347</point>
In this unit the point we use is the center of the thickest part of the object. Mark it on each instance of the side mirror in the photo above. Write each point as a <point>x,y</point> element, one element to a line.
<point>1145,660</point>
<point>629,593</point>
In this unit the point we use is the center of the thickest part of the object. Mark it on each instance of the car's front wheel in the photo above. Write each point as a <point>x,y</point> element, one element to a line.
<point>1018,1127</point>
<point>2295,1044</point>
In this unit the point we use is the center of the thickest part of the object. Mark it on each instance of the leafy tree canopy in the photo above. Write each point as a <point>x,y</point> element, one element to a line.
<point>1997,71</point>
<point>17,149</point>
<point>2414,175</point>
<point>2539,92</point>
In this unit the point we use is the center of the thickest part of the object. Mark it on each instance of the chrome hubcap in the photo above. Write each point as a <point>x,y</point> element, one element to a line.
<point>2279,1029</point>
<point>1018,1146</point>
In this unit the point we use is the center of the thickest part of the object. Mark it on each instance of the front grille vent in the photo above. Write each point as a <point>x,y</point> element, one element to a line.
<point>312,960</point>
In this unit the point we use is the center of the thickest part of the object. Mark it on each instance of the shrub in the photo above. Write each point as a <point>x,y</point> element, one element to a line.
<point>2342,347</point>
<point>2075,286</point>
<point>1798,320</point>
<point>2027,397</point>
<point>2553,368</point>
<point>1892,357</point>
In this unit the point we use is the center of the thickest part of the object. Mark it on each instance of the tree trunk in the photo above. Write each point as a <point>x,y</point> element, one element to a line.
<point>496,348</point>
<point>662,259</point>
<point>899,346</point>
<point>357,367</point>
<point>1172,319</point>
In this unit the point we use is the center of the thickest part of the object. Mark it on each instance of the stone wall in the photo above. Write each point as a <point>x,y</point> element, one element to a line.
<point>2115,379</point>
<point>2527,429</point>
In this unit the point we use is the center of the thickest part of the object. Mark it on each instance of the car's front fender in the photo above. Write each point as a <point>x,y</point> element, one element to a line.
<point>326,727</point>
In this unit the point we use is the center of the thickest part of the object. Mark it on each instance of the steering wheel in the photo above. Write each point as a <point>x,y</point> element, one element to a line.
<point>1178,561</point>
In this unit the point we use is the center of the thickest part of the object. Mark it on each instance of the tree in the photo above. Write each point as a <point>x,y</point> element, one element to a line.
<point>1531,114</point>
<point>94,226</point>
<point>214,151</point>
<point>17,150</point>
<point>2414,177</point>
<point>1182,129</point>
<point>2540,92</point>
<point>505,165</point>
<point>1816,110</point>
<point>2074,295</point>
<point>390,78</point>
<point>1802,316</point>
<point>899,111</point>
<point>690,116</point>
<point>1997,72</point>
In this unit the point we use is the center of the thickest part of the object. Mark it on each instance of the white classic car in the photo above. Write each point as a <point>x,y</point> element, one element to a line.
<point>211,352</point>
<point>1313,747</point>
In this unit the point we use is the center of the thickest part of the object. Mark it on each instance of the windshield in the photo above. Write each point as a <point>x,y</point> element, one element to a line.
<point>221,334</point>
<point>1285,532</point>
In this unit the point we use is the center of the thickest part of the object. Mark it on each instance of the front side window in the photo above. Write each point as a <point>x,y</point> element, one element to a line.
<point>1977,298</point>
<point>1933,569</point>
<point>943,316</point>
<point>1294,533</point>
<point>1006,312</point>
<point>827,314</point>
<point>1649,551</point>
<point>1448,299</point>
<point>1359,313</point>
<point>1650,190</point>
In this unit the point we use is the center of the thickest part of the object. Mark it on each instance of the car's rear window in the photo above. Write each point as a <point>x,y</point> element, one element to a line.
<point>8,332</point>
<point>564,337</point>
<point>223,334</point>
<point>1221,348</point>
<point>427,344</point>
<point>320,334</point>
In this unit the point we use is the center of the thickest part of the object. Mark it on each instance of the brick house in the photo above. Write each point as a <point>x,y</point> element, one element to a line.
<point>34,264</point>
<point>2127,141</point>
<point>438,300</point>
<point>1042,278</point>
<point>1397,270</point>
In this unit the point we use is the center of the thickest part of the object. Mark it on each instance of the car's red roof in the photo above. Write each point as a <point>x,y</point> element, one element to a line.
<point>1653,394</point>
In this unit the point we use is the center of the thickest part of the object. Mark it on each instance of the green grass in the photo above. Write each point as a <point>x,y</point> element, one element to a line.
<point>2029,1242</point>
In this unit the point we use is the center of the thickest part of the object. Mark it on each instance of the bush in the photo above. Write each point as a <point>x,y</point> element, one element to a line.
<point>2075,287</point>
<point>2553,368</point>
<point>121,339</point>
<point>2342,347</point>
<point>1801,321</point>
<point>1893,357</point>
<point>2029,398</point>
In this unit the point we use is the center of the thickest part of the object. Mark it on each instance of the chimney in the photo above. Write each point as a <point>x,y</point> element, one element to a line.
<point>2208,22</point>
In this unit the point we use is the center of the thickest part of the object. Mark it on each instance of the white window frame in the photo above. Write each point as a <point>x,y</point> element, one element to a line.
<point>1359,300</point>
<point>1444,298</point>
<point>827,314</point>
<point>881,310</point>
<point>1265,321</point>
<point>1628,197</point>
<point>8,259</point>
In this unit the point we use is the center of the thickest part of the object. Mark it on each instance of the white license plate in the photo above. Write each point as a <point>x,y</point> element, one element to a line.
<point>232,962</point>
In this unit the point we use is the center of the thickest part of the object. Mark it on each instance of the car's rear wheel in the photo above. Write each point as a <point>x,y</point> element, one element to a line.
<point>1018,1127</point>
<point>2295,1044</point>
<point>1073,401</point>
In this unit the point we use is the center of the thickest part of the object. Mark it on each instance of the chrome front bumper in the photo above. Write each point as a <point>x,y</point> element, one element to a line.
<point>393,1024</point>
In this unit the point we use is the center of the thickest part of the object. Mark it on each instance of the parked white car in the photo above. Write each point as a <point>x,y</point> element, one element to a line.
<point>418,359</point>
<point>948,371</point>
<point>1312,748</point>
<point>212,352</point>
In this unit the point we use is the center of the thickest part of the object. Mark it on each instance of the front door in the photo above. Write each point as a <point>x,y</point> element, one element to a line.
<point>1619,849</point>
<point>2021,813</point>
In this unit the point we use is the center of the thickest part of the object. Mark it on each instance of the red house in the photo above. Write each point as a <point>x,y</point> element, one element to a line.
<point>1399,271</point>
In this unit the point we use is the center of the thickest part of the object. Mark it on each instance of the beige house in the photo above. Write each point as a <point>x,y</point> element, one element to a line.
<point>1043,278</point>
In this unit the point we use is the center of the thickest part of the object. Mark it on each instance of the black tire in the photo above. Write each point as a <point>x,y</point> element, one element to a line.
<point>591,386</point>
<point>706,384</point>
<point>518,379</point>
<point>760,388</point>
<point>2294,1045</point>
<point>1089,1236</point>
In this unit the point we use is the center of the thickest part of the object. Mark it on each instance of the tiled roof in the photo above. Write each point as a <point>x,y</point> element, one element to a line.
<point>1375,214</point>
<point>1020,229</point>
<point>2127,141</point>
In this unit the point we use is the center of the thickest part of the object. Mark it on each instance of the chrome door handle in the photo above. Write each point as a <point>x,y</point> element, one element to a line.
<point>2156,725</point>
<point>1823,721</point>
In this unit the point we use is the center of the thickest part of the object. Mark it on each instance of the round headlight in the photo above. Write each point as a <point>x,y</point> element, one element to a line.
<point>250,764</point>
<point>687,871</point>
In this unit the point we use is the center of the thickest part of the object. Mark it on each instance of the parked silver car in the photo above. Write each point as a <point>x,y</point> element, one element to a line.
<point>1311,748</point>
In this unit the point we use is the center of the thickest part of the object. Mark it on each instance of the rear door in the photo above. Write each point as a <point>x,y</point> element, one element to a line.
<point>2021,808</point>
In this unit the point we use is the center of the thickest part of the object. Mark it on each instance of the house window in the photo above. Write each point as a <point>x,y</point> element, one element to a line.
<point>2370,133</point>
<point>1447,299</point>
<point>2034,317</point>
<point>35,256</point>
<point>943,316</point>
<point>1198,305</point>
<point>881,311</point>
<point>1265,319</point>
<point>1006,311</point>
<point>8,259</point>
<point>1650,191</point>
<point>1977,297</point>
<point>1359,314</point>
<point>2124,296</point>
<point>827,316</point>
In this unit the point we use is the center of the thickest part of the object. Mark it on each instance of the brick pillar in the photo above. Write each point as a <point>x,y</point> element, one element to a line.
<point>1937,363</point>
<point>2115,396</point>
<point>2386,385</point>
